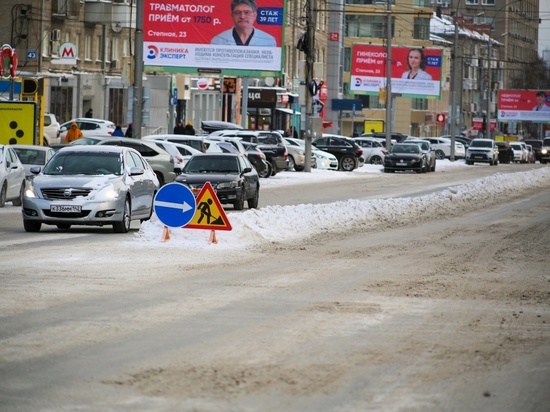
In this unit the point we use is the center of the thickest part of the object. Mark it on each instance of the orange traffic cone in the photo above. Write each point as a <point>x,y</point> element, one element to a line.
<point>213,237</point>
<point>165,234</point>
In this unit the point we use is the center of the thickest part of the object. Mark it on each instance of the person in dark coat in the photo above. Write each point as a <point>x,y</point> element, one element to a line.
<point>189,129</point>
<point>90,113</point>
<point>179,129</point>
<point>118,132</point>
<point>129,131</point>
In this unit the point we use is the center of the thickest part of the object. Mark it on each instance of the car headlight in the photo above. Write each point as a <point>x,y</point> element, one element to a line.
<point>227,185</point>
<point>106,194</point>
<point>31,192</point>
<point>544,151</point>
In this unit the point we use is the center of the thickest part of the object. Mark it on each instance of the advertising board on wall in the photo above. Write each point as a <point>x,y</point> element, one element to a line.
<point>187,34</point>
<point>415,72</point>
<point>524,105</point>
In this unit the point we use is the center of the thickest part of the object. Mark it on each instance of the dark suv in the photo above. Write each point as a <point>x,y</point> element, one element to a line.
<point>346,150</point>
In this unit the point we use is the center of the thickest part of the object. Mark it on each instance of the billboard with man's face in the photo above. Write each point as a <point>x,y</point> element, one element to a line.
<point>524,105</point>
<point>415,72</point>
<point>214,34</point>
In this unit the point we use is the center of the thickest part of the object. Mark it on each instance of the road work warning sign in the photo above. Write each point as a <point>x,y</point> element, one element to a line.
<point>209,213</point>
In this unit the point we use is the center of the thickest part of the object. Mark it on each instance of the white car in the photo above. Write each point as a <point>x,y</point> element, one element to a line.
<point>12,176</point>
<point>323,160</point>
<point>442,146</point>
<point>172,149</point>
<point>51,129</point>
<point>88,127</point>
<point>521,154</point>
<point>33,155</point>
<point>374,151</point>
<point>196,142</point>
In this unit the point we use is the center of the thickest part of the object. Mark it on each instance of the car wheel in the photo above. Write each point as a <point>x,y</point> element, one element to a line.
<point>266,172</point>
<point>32,226</point>
<point>239,203</point>
<point>291,163</point>
<point>124,225</point>
<point>63,226</point>
<point>375,160</point>
<point>439,154</point>
<point>273,168</point>
<point>388,170</point>
<point>348,163</point>
<point>253,201</point>
<point>3,194</point>
<point>19,200</point>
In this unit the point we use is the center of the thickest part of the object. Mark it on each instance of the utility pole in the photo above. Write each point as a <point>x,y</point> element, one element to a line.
<point>489,89</point>
<point>311,18</point>
<point>388,76</point>
<point>137,107</point>
<point>454,72</point>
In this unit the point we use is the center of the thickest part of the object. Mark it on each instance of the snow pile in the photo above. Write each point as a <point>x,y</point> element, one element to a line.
<point>283,223</point>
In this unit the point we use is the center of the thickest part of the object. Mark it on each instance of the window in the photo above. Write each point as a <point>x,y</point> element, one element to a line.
<point>423,3</point>
<point>99,47</point>
<point>419,104</point>
<point>488,2</point>
<point>472,2</point>
<point>370,1</point>
<point>366,26</point>
<point>88,47</point>
<point>421,28</point>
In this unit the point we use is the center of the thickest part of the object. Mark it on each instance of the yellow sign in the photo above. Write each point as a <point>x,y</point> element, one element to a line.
<point>209,213</point>
<point>17,122</point>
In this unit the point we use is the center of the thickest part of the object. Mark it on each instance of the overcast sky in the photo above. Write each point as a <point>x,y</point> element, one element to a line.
<point>544,27</point>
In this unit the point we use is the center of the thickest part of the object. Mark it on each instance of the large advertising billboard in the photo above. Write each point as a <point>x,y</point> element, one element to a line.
<point>210,34</point>
<point>524,105</point>
<point>415,72</point>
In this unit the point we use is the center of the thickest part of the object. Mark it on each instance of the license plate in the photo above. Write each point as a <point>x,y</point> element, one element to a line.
<point>65,208</point>
<point>478,157</point>
<point>401,164</point>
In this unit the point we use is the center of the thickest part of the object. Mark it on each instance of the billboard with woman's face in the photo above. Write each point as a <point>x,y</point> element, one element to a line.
<point>415,71</point>
<point>215,34</point>
<point>524,105</point>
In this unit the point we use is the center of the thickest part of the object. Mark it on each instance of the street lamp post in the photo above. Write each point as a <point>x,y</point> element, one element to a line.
<point>489,89</point>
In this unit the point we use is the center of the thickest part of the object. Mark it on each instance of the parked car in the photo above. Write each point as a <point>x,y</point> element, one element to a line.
<point>90,185</point>
<point>520,152</point>
<point>442,146</point>
<point>231,175</point>
<point>88,126</point>
<point>12,176</point>
<point>537,147</point>
<point>346,150</point>
<point>296,154</point>
<point>51,129</point>
<point>209,126</point>
<point>428,151</point>
<point>381,136</point>
<point>531,157</point>
<point>505,152</point>
<point>462,139</point>
<point>545,151</point>
<point>374,151</point>
<point>482,151</point>
<point>258,160</point>
<point>405,156</point>
<point>323,160</point>
<point>270,143</point>
<point>162,162</point>
<point>172,150</point>
<point>196,142</point>
<point>33,155</point>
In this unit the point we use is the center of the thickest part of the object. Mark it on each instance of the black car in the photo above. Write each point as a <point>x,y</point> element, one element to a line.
<point>405,156</point>
<point>258,159</point>
<point>398,137</point>
<point>537,147</point>
<point>231,175</point>
<point>346,150</point>
<point>505,152</point>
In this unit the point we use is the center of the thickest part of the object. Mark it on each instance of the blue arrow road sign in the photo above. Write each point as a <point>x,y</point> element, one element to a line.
<point>175,205</point>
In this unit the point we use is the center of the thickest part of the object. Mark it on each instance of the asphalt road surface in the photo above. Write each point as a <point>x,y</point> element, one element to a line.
<point>448,313</point>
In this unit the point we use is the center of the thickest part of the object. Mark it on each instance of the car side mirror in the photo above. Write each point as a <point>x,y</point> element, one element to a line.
<point>136,171</point>
<point>247,170</point>
<point>35,170</point>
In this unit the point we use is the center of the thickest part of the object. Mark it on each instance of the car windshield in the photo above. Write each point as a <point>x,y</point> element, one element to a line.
<point>85,141</point>
<point>31,156</point>
<point>212,164</point>
<point>72,163</point>
<point>481,143</point>
<point>409,148</point>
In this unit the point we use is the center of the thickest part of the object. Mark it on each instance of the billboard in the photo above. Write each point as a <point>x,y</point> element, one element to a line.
<point>208,34</point>
<point>524,105</point>
<point>415,72</point>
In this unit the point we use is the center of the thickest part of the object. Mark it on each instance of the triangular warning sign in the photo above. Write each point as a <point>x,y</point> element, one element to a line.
<point>209,213</point>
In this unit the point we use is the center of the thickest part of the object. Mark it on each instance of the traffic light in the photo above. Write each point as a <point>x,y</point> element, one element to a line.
<point>30,87</point>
